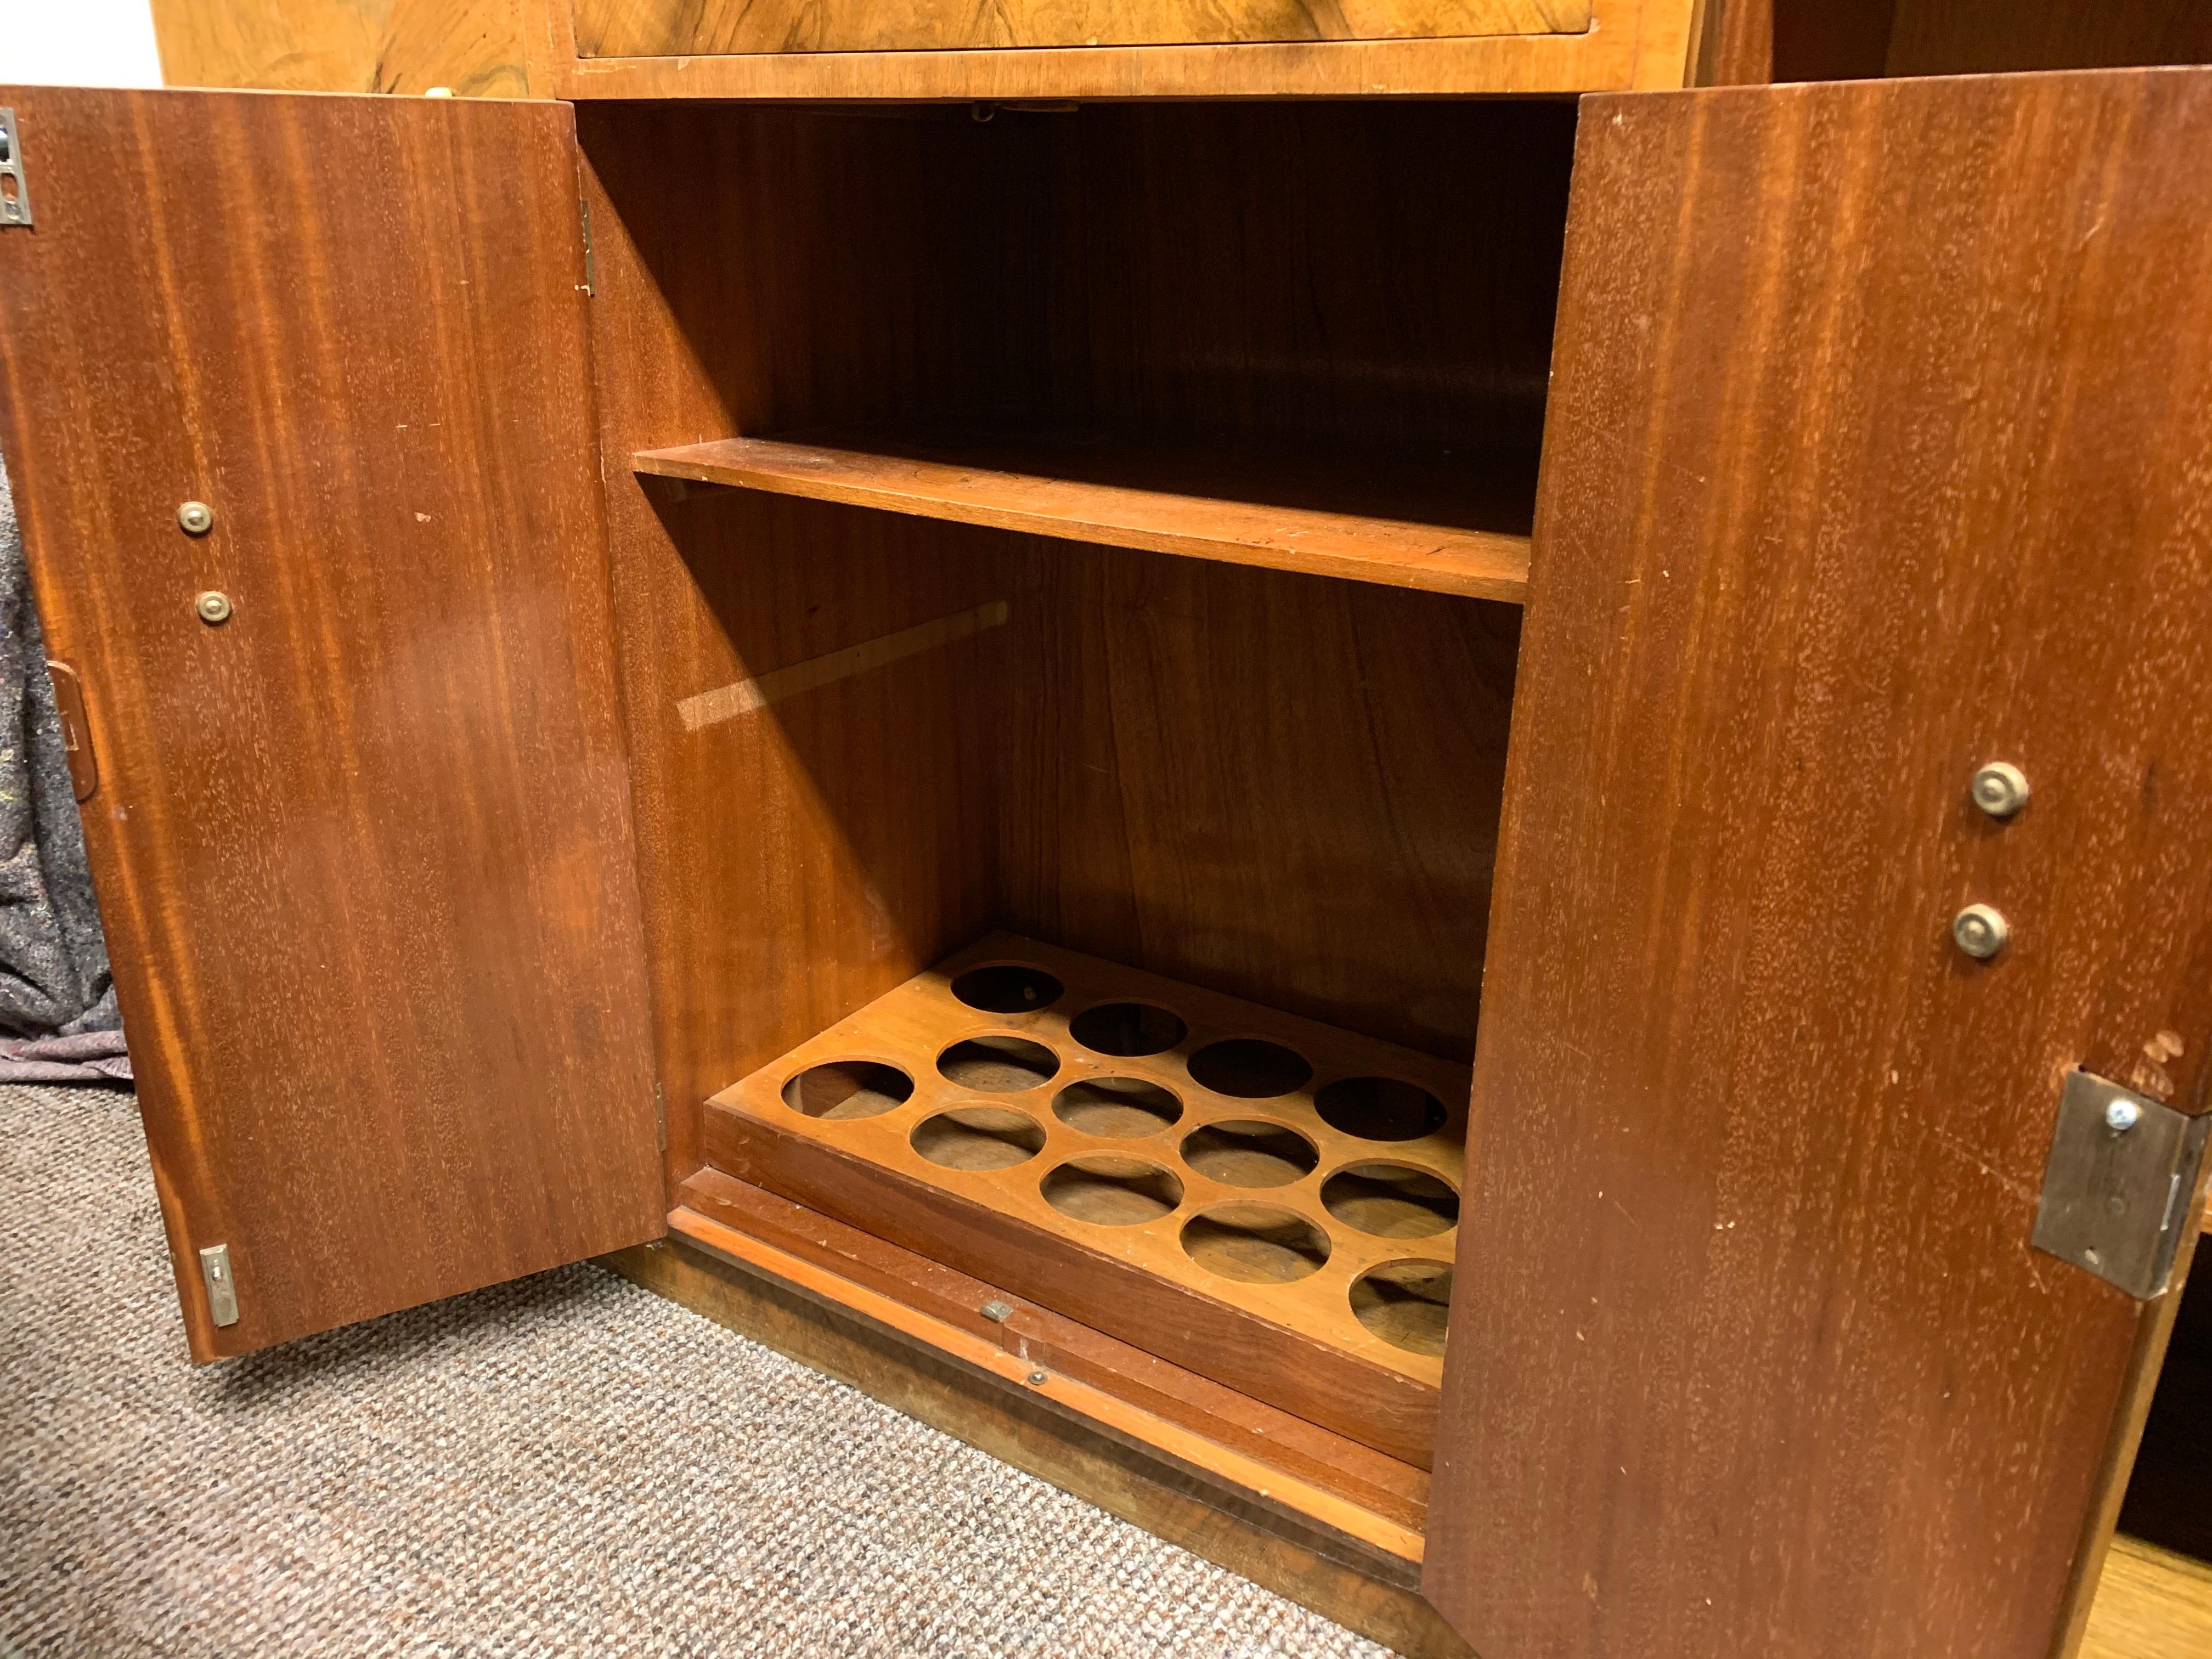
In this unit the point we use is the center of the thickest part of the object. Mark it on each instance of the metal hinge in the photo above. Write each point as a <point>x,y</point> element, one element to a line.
<point>15,191</point>
<point>76,730</point>
<point>591,264</point>
<point>661,1116</point>
<point>2119,1184</point>
<point>222,1289</point>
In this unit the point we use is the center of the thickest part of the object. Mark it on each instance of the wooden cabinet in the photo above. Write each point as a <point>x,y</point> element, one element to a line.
<point>1262,800</point>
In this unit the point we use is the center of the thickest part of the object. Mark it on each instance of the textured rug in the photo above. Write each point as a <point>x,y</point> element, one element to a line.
<point>565,1466</point>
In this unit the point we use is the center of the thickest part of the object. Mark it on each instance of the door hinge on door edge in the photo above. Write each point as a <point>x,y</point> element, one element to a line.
<point>661,1116</point>
<point>222,1289</point>
<point>76,729</point>
<point>14,189</point>
<point>591,265</point>
<point>2119,1184</point>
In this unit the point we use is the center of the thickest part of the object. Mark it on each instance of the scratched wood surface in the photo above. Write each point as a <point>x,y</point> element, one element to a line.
<point>363,851</point>
<point>1818,536</point>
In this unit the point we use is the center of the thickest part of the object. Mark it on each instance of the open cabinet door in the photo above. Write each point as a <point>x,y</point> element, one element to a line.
<point>361,832</point>
<point>1879,449</point>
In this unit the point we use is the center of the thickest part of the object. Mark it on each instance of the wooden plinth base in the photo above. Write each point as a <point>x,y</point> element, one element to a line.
<point>1290,1534</point>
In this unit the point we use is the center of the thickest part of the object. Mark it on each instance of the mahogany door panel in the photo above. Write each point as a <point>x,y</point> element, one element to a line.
<point>1879,449</point>
<point>361,832</point>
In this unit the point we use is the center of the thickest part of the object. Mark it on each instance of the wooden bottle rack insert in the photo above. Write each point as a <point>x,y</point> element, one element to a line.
<point>1260,1198</point>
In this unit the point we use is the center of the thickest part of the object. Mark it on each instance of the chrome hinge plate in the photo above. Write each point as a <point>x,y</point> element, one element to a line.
<point>14,190</point>
<point>222,1289</point>
<point>661,1116</point>
<point>2116,1202</point>
<point>591,264</point>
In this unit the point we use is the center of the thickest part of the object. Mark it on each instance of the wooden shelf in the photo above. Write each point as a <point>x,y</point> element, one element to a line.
<point>1197,506</point>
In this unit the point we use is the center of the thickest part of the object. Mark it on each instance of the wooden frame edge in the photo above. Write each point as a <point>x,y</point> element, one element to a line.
<point>2153,1332</point>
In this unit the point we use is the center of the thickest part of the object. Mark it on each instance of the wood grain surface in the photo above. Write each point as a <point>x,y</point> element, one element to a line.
<point>363,851</point>
<point>657,28</point>
<point>1876,452</point>
<point>1129,499</point>
<point>676,51</point>
<point>475,47</point>
<point>2151,1604</point>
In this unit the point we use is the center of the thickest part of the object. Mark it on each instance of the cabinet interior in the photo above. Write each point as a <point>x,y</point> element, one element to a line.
<point>842,350</point>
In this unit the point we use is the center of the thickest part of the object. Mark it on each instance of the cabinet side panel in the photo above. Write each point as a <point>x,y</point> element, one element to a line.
<point>363,848</point>
<point>801,854</point>
<point>1877,451</point>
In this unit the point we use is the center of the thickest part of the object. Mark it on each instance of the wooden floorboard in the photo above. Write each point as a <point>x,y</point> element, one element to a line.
<point>2151,1604</point>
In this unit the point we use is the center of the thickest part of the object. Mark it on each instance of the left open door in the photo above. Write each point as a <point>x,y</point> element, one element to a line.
<point>362,830</point>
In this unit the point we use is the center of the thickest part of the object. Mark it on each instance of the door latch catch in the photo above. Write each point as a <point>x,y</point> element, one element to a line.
<point>222,1289</point>
<point>14,190</point>
<point>2117,1188</point>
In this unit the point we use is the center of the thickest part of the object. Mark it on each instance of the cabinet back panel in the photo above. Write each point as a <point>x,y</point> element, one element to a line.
<point>1285,788</point>
<point>656,28</point>
<point>1281,277</point>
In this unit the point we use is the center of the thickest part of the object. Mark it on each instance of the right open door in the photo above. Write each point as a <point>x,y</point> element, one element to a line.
<point>1879,449</point>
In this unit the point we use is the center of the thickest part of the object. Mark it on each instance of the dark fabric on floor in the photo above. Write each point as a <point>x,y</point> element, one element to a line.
<point>53,963</point>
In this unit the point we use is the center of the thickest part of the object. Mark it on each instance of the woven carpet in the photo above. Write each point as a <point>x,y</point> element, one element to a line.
<point>565,1466</point>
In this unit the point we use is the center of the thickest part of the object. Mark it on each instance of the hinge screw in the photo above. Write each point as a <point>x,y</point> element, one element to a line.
<point>2000,789</point>
<point>2122,1115</point>
<point>196,518</point>
<point>213,608</point>
<point>1038,1379</point>
<point>1981,931</point>
<point>997,1312</point>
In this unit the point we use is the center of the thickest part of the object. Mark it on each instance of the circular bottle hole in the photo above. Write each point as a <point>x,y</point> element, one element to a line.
<point>1118,1108</point>
<point>1249,1154</point>
<point>847,1088</point>
<point>978,1138</point>
<point>1390,1201</point>
<point>1112,1192</point>
<point>1380,1109</point>
<point>1257,1243</point>
<point>998,1064</point>
<point>1248,1068</point>
<point>1007,988</point>
<point>1405,1304</point>
<point>1127,1029</point>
